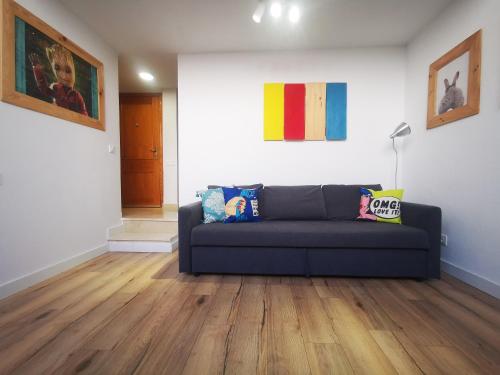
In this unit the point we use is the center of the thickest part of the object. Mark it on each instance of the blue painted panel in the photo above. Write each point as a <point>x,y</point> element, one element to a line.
<point>94,92</point>
<point>336,111</point>
<point>20,56</point>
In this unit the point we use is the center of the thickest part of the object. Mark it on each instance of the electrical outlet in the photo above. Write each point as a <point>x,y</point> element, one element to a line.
<point>444,239</point>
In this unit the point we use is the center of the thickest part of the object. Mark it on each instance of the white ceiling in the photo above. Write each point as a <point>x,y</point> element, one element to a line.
<point>148,34</point>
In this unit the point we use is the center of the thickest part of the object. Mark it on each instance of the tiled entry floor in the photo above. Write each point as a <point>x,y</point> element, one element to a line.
<point>163,213</point>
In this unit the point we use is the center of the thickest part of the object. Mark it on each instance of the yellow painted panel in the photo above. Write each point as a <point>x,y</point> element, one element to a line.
<point>274,111</point>
<point>315,111</point>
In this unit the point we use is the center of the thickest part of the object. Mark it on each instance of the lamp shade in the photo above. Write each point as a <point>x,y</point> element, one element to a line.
<point>402,130</point>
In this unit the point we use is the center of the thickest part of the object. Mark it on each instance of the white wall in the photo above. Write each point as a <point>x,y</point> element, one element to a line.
<point>456,166</point>
<point>61,187</point>
<point>221,118</point>
<point>170,146</point>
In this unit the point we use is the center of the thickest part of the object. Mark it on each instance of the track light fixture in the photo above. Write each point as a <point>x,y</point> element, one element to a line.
<point>294,14</point>
<point>259,11</point>
<point>276,9</point>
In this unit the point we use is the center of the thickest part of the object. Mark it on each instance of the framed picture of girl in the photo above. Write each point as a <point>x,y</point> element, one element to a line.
<point>44,71</point>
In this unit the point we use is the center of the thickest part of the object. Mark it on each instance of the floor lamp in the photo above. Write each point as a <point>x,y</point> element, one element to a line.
<point>402,130</point>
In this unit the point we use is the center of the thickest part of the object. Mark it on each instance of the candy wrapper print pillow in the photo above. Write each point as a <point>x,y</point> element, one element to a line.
<point>241,205</point>
<point>383,206</point>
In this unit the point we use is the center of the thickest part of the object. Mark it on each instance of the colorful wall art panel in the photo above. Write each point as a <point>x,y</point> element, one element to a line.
<point>310,111</point>
<point>315,111</point>
<point>295,94</point>
<point>274,105</point>
<point>336,105</point>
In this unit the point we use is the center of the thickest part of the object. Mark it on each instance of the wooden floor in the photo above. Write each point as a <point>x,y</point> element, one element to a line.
<point>127,313</point>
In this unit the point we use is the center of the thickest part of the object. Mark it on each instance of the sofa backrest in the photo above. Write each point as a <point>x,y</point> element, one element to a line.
<point>254,186</point>
<point>293,203</point>
<point>342,201</point>
<point>308,202</point>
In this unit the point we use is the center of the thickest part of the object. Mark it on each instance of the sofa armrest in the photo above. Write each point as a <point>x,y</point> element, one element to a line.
<point>427,218</point>
<point>190,216</point>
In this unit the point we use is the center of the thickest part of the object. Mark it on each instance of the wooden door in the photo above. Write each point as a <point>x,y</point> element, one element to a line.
<point>141,150</point>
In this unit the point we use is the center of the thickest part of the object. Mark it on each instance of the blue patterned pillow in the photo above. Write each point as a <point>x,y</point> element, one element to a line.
<point>212,201</point>
<point>241,205</point>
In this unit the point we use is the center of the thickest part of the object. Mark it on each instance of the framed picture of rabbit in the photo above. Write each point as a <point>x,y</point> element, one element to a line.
<point>44,71</point>
<point>455,83</point>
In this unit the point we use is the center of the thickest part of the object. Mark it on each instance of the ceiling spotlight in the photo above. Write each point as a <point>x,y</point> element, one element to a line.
<point>276,9</point>
<point>259,12</point>
<point>146,76</point>
<point>294,14</point>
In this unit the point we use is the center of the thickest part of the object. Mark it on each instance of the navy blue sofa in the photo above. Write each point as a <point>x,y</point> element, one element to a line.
<point>312,231</point>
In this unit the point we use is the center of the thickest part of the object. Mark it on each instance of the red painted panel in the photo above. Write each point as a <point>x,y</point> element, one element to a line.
<point>295,96</point>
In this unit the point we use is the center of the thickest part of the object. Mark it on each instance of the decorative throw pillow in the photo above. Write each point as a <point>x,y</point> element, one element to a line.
<point>241,205</point>
<point>212,201</point>
<point>384,206</point>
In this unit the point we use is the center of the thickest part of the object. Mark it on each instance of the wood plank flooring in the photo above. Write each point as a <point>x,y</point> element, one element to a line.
<point>124,313</point>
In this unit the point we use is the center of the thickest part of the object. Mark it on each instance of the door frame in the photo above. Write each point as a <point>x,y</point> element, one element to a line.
<point>160,139</point>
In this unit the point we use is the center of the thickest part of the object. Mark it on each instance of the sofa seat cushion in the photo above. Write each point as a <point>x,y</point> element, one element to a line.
<point>310,234</point>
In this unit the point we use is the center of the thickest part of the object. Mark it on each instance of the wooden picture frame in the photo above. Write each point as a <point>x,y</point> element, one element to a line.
<point>79,98</point>
<point>471,105</point>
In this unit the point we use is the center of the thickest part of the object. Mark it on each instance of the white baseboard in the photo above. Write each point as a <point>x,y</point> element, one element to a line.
<point>23,282</point>
<point>471,278</point>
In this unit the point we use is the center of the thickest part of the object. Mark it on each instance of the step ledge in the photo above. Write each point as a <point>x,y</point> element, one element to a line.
<point>149,219</point>
<point>143,236</point>
<point>143,246</point>
<point>142,240</point>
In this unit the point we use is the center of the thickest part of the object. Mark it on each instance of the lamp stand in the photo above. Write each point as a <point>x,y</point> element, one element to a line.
<point>396,171</point>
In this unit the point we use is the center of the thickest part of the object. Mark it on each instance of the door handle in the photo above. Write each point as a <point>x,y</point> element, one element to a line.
<point>154,151</point>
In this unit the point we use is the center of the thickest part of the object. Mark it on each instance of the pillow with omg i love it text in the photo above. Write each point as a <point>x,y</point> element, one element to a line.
<point>383,206</point>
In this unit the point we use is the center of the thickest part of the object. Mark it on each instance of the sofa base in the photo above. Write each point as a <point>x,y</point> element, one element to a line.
<point>412,263</point>
<point>249,260</point>
<point>369,262</point>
